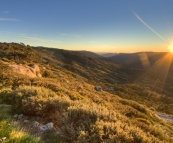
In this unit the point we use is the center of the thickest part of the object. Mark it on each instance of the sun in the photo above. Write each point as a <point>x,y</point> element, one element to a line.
<point>171,48</point>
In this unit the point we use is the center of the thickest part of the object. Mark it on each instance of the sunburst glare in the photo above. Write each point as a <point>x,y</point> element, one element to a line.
<point>157,79</point>
<point>171,48</point>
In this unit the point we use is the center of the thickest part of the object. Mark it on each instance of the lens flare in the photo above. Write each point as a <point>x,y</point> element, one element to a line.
<point>171,48</point>
<point>156,76</point>
<point>143,22</point>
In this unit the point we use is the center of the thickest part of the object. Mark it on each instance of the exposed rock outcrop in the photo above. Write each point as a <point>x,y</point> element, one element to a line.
<point>31,71</point>
<point>48,126</point>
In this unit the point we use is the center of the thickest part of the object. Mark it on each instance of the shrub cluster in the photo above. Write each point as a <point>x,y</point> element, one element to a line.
<point>82,120</point>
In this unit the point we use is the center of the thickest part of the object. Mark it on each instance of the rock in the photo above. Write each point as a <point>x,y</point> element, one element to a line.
<point>43,128</point>
<point>48,126</point>
<point>57,133</point>
<point>35,124</point>
<point>98,88</point>
<point>110,89</point>
<point>26,121</point>
<point>31,70</point>
<point>2,139</point>
<point>20,116</point>
<point>57,73</point>
<point>15,116</point>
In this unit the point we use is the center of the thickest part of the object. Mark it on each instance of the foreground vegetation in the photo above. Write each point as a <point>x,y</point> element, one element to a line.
<point>10,132</point>
<point>83,120</point>
<point>79,112</point>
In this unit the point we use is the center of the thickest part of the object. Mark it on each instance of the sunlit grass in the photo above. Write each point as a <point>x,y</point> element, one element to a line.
<point>13,133</point>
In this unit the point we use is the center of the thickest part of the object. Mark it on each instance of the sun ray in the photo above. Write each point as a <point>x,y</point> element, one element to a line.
<point>156,76</point>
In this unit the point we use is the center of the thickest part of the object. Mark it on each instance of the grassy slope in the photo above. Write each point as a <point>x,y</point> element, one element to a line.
<point>80,113</point>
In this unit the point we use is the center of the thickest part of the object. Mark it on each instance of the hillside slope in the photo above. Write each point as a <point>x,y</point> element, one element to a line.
<point>65,95</point>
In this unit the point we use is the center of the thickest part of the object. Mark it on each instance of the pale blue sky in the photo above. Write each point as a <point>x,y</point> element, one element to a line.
<point>93,25</point>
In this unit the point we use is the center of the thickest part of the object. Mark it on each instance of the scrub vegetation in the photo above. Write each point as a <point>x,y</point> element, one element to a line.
<point>65,95</point>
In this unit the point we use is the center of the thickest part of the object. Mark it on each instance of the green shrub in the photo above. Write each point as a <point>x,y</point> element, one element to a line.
<point>48,73</point>
<point>75,96</point>
<point>5,95</point>
<point>38,101</point>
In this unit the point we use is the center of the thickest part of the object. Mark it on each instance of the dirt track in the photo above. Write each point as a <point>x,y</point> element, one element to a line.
<point>165,117</point>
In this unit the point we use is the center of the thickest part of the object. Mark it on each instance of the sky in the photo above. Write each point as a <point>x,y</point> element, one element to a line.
<point>94,25</point>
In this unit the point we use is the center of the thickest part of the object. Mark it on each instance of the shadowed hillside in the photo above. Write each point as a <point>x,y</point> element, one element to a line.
<point>157,69</point>
<point>138,60</point>
<point>88,65</point>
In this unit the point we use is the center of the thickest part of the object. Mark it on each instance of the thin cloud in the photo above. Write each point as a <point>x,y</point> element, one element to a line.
<point>6,32</point>
<point>92,41</point>
<point>74,35</point>
<point>8,19</point>
<point>38,39</point>
<point>5,12</point>
<point>63,34</point>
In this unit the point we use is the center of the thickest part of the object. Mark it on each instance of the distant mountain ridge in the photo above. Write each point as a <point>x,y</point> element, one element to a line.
<point>90,54</point>
<point>137,59</point>
<point>107,54</point>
